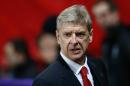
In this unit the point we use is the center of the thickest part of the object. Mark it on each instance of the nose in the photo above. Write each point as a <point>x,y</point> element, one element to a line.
<point>74,39</point>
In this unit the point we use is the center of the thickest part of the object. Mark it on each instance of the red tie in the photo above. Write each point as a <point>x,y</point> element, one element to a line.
<point>84,73</point>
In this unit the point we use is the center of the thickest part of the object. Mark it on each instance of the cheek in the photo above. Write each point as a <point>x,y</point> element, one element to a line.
<point>64,42</point>
<point>64,45</point>
<point>84,43</point>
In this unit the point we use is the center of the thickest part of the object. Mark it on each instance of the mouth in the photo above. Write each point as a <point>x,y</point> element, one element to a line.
<point>75,50</point>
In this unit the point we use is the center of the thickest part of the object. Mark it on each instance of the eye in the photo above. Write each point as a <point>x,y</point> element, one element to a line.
<point>81,34</point>
<point>67,34</point>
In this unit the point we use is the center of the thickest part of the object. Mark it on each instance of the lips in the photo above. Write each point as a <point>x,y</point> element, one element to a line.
<point>75,50</point>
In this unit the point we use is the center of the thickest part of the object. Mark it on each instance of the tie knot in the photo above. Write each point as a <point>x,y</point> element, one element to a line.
<point>84,71</point>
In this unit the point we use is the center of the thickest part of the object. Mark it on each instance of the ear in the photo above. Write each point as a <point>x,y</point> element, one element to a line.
<point>57,36</point>
<point>91,36</point>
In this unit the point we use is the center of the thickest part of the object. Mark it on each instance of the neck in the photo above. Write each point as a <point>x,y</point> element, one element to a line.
<point>81,60</point>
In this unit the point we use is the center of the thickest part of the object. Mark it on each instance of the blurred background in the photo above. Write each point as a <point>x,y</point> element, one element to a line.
<point>27,35</point>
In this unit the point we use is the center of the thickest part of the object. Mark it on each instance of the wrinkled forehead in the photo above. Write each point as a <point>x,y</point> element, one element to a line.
<point>69,27</point>
<point>100,8</point>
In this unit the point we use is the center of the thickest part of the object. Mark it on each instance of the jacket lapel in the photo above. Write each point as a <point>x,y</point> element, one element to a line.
<point>95,73</point>
<point>67,74</point>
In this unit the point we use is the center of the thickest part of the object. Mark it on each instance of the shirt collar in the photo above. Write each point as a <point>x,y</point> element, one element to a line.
<point>75,67</point>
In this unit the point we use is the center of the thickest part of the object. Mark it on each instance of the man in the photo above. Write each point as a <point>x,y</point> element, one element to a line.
<point>116,46</point>
<point>19,60</point>
<point>46,41</point>
<point>47,44</point>
<point>47,50</point>
<point>73,67</point>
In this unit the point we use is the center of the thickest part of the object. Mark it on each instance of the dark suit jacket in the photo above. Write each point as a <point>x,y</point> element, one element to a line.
<point>59,74</point>
<point>116,54</point>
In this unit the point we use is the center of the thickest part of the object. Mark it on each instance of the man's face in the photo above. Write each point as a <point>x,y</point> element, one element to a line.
<point>11,55</point>
<point>73,40</point>
<point>104,16</point>
<point>48,48</point>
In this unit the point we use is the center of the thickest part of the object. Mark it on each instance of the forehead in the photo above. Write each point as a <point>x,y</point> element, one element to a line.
<point>9,48</point>
<point>101,8</point>
<point>73,27</point>
<point>47,38</point>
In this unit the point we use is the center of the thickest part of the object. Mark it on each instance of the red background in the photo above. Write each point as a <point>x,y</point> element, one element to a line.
<point>24,18</point>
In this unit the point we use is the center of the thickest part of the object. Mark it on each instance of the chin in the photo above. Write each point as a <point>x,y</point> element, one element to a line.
<point>76,56</point>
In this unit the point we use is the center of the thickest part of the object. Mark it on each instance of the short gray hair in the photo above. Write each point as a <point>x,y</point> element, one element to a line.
<point>76,14</point>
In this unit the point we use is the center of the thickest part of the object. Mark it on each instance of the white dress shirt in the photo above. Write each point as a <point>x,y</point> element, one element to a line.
<point>75,67</point>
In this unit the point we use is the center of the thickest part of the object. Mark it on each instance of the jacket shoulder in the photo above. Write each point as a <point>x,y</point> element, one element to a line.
<point>49,76</point>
